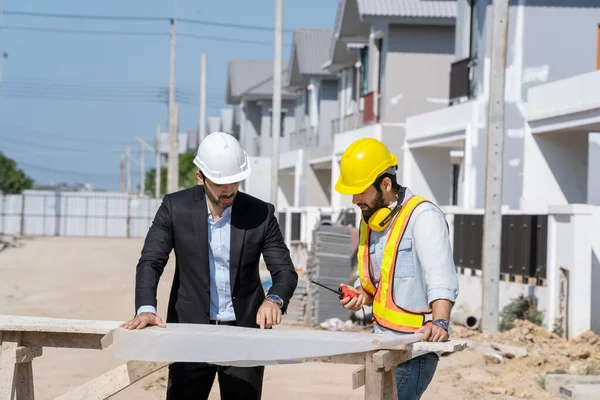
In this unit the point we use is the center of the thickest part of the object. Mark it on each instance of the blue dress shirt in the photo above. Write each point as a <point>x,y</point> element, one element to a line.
<point>219,235</point>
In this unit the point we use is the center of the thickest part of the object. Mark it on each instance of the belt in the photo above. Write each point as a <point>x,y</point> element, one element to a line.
<point>215,322</point>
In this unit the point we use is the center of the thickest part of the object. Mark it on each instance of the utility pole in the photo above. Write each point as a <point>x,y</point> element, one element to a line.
<point>158,166</point>
<point>176,158</point>
<point>202,122</point>
<point>492,222</point>
<point>142,165</point>
<point>276,116</point>
<point>172,173</point>
<point>128,153</point>
<point>122,173</point>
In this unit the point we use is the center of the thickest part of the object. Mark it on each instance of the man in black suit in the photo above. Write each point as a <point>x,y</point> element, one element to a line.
<point>218,235</point>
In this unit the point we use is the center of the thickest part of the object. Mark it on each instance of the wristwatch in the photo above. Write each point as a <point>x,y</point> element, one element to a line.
<point>275,299</point>
<point>442,323</point>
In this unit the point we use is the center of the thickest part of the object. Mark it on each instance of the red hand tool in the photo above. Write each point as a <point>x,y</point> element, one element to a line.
<point>343,292</point>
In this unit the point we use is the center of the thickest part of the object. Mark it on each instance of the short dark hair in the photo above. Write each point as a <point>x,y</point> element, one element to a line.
<point>395,185</point>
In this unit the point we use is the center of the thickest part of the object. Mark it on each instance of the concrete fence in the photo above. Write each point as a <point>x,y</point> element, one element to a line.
<point>572,269</point>
<point>96,214</point>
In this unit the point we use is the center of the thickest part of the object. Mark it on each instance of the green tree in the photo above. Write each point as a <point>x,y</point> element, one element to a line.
<point>12,179</point>
<point>187,175</point>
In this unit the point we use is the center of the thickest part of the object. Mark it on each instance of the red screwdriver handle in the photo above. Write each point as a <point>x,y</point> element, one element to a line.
<point>347,292</point>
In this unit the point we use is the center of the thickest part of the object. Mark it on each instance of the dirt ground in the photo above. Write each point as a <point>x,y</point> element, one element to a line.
<point>94,279</point>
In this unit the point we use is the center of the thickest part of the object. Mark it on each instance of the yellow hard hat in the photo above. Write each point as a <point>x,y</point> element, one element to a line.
<point>361,164</point>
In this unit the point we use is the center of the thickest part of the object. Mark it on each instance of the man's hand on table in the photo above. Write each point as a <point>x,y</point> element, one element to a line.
<point>143,320</point>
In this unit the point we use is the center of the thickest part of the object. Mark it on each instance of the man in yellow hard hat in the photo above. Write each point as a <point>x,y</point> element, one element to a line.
<point>405,264</point>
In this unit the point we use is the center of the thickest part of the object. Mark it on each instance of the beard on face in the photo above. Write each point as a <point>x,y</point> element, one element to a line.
<point>370,210</point>
<point>219,201</point>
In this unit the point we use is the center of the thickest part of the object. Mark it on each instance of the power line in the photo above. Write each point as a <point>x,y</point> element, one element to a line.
<point>13,140</point>
<point>60,137</point>
<point>81,16</point>
<point>94,85</point>
<point>230,25</point>
<point>133,33</point>
<point>157,98</point>
<point>80,31</point>
<point>73,172</point>
<point>100,91</point>
<point>258,42</point>
<point>141,19</point>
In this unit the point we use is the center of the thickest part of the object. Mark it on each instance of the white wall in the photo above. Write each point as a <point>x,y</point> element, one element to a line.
<point>571,236</point>
<point>259,182</point>
<point>318,182</point>
<point>286,190</point>
<point>470,296</point>
<point>341,141</point>
<point>431,173</point>
<point>338,201</point>
<point>555,169</point>
<point>593,184</point>
<point>595,281</point>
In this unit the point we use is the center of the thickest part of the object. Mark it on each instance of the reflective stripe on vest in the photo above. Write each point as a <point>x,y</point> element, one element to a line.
<point>364,272</point>
<point>385,310</point>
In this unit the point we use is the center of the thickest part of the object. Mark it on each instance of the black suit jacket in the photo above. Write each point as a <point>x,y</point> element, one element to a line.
<point>181,223</point>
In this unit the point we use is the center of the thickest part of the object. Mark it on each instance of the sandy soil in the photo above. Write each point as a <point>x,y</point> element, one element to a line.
<point>94,279</point>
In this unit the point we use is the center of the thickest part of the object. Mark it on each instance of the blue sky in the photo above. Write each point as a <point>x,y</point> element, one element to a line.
<point>75,139</point>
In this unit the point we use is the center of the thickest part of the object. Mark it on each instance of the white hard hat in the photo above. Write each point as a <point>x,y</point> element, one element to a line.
<point>221,159</point>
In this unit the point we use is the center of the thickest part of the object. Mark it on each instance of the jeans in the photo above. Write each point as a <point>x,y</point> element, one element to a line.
<point>413,376</point>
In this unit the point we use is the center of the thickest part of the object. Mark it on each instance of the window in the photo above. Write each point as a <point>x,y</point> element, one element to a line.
<point>364,71</point>
<point>281,124</point>
<point>455,180</point>
<point>474,30</point>
<point>306,101</point>
<point>473,43</point>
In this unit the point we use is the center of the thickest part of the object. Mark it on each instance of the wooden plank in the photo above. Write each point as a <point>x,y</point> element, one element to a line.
<point>13,323</point>
<point>354,358</point>
<point>24,381</point>
<point>114,381</point>
<point>378,385</point>
<point>21,354</point>
<point>396,342</point>
<point>388,385</point>
<point>449,346</point>
<point>373,380</point>
<point>385,360</point>
<point>9,342</point>
<point>358,378</point>
<point>62,340</point>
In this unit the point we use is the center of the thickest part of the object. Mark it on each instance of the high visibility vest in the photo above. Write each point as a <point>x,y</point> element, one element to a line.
<point>385,311</point>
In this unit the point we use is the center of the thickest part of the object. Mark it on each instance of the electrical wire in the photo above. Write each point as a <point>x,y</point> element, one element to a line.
<point>134,33</point>
<point>13,140</point>
<point>130,18</point>
<point>73,172</point>
<point>53,136</point>
<point>102,91</point>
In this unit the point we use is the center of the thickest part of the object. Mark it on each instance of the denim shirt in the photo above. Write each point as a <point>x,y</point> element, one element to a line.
<point>425,268</point>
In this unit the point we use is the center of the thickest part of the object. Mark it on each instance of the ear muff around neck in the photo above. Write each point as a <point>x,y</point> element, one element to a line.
<point>382,217</point>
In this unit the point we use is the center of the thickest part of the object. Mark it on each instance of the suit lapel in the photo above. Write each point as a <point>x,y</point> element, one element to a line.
<point>238,233</point>
<point>200,221</point>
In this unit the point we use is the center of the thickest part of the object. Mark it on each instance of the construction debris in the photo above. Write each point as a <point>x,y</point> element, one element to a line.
<point>8,241</point>
<point>528,358</point>
<point>496,349</point>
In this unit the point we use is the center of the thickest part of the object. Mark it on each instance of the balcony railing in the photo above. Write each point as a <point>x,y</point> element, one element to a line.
<point>460,81</point>
<point>347,123</point>
<point>302,138</point>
